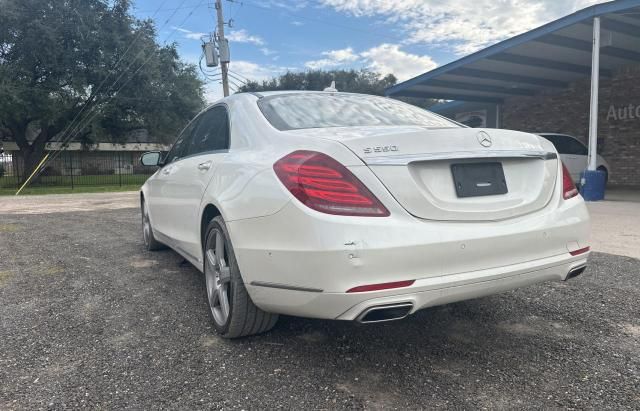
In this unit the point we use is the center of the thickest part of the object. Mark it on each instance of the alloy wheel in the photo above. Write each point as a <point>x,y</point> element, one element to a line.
<point>218,277</point>
<point>146,224</point>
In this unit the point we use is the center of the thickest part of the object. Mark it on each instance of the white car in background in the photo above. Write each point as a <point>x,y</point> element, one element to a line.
<point>354,207</point>
<point>574,155</point>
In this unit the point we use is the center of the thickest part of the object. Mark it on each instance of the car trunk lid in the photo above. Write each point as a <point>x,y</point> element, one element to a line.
<point>457,174</point>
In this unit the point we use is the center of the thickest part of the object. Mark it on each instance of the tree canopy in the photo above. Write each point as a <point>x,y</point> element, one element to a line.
<point>351,81</point>
<point>59,61</point>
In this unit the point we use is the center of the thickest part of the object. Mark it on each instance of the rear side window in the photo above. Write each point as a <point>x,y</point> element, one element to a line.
<point>180,147</point>
<point>212,133</point>
<point>321,110</point>
<point>567,145</point>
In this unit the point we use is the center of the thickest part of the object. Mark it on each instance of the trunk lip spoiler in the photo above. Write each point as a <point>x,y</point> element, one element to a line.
<point>403,160</point>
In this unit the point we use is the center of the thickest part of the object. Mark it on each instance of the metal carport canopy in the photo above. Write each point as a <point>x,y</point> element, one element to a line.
<point>549,57</point>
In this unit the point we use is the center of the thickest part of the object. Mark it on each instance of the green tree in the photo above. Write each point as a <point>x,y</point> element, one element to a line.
<point>55,54</point>
<point>351,81</point>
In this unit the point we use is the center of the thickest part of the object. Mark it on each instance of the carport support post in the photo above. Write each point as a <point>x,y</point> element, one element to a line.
<point>595,84</point>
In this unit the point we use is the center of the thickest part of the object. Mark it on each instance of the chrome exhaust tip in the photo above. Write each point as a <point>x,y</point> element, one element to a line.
<point>575,272</point>
<point>382,313</point>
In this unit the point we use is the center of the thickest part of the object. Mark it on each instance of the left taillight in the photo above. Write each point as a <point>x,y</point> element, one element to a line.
<point>323,184</point>
<point>569,189</point>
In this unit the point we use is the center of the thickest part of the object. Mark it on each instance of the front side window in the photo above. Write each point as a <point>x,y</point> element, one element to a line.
<point>212,133</point>
<point>321,110</point>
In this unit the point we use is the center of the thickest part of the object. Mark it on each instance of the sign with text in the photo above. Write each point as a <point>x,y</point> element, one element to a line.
<point>628,112</point>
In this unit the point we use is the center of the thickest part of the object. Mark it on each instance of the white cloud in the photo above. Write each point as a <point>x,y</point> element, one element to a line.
<point>389,59</point>
<point>254,71</point>
<point>333,58</point>
<point>241,70</point>
<point>383,59</point>
<point>461,25</point>
<point>297,23</point>
<point>289,5</point>
<point>192,35</point>
<point>242,36</point>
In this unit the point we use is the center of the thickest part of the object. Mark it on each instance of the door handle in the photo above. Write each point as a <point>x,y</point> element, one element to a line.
<point>204,166</point>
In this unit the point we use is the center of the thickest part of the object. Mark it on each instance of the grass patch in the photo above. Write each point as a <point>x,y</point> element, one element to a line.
<point>8,228</point>
<point>51,270</point>
<point>68,190</point>
<point>5,276</point>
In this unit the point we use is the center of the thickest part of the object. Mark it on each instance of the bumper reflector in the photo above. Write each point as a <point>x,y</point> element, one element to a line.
<point>580,251</point>
<point>381,286</point>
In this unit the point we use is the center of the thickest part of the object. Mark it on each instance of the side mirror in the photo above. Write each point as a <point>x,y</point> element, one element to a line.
<point>151,159</point>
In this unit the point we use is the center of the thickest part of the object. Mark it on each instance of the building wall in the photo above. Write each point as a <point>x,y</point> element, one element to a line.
<point>567,112</point>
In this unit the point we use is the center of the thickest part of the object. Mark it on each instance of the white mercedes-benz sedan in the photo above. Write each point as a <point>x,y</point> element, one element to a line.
<point>354,207</point>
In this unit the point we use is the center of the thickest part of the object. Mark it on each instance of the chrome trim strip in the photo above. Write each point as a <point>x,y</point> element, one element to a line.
<point>403,160</point>
<point>285,287</point>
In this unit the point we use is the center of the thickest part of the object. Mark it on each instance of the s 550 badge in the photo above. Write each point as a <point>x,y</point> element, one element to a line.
<point>380,149</point>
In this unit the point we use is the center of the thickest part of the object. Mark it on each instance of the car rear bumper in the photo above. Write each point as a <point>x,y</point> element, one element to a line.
<point>422,294</point>
<point>300,262</point>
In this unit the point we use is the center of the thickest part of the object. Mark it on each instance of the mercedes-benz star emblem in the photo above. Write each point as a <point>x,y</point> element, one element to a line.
<point>484,139</point>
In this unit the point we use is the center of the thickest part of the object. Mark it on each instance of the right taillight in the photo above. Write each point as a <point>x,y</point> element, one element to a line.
<point>325,185</point>
<point>569,189</point>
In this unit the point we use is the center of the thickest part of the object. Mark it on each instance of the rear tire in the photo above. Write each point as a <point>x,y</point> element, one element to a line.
<point>232,311</point>
<point>150,241</point>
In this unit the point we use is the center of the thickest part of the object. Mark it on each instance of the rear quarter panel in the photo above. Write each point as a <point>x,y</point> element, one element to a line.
<point>245,185</point>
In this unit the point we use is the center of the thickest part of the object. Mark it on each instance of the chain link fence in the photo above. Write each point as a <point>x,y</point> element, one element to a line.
<point>73,169</point>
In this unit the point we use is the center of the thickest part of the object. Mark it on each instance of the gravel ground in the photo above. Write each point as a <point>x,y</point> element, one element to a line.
<point>90,319</point>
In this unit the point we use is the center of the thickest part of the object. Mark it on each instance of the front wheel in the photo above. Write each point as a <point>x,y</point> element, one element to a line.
<point>234,314</point>
<point>150,241</point>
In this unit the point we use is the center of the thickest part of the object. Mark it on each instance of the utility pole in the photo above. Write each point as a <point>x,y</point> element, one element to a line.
<point>224,65</point>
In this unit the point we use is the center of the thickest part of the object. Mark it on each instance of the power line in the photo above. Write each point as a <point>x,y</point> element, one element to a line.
<point>170,9</point>
<point>238,78</point>
<point>95,93</point>
<point>141,66</point>
<point>88,119</point>
<point>76,130</point>
<point>240,75</point>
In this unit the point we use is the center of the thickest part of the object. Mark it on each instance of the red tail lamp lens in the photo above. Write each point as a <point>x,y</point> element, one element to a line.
<point>569,189</point>
<point>325,185</point>
<point>382,286</point>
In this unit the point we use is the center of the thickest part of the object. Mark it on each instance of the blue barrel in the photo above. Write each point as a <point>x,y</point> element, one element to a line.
<point>594,184</point>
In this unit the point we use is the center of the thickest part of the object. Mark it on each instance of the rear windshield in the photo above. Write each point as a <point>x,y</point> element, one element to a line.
<point>300,111</point>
